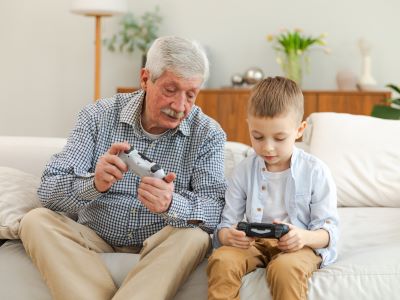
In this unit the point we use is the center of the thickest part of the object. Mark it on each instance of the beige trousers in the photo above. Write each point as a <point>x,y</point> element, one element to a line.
<point>66,254</point>
<point>286,273</point>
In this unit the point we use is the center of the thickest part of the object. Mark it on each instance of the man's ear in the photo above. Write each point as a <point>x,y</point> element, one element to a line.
<point>144,78</point>
<point>300,130</point>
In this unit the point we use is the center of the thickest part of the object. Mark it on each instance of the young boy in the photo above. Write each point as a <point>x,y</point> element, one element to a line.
<point>278,184</point>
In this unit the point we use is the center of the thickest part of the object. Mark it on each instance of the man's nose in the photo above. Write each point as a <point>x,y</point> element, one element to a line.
<point>179,102</point>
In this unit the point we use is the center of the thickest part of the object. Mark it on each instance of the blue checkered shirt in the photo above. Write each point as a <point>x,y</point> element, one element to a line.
<point>194,151</point>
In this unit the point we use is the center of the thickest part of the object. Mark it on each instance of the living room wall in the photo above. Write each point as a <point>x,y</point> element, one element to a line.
<point>47,53</point>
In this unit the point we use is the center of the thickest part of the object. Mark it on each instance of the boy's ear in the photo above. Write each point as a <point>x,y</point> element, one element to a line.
<point>300,130</point>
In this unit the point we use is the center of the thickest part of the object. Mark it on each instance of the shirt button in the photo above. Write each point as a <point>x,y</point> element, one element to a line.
<point>264,169</point>
<point>130,235</point>
<point>133,211</point>
<point>259,209</point>
<point>328,221</point>
<point>263,187</point>
<point>175,215</point>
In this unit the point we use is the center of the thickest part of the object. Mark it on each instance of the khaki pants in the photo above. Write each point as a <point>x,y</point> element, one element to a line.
<point>286,273</point>
<point>66,254</point>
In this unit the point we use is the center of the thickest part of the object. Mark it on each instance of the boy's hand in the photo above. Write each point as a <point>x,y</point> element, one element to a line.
<point>235,238</point>
<point>292,241</point>
<point>297,238</point>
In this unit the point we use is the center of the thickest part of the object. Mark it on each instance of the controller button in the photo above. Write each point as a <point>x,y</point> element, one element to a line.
<point>155,168</point>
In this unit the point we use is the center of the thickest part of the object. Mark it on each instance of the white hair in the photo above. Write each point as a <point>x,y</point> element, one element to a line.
<point>185,58</point>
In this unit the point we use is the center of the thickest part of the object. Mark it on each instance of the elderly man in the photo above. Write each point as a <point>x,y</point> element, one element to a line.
<point>167,220</point>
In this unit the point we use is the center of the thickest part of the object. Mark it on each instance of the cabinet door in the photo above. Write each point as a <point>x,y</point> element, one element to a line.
<point>310,103</point>
<point>229,109</point>
<point>360,103</point>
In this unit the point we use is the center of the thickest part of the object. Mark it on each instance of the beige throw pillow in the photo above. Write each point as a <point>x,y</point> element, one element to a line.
<point>17,197</point>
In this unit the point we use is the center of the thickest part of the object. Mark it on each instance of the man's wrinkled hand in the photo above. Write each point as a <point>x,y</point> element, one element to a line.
<point>110,167</point>
<point>156,194</point>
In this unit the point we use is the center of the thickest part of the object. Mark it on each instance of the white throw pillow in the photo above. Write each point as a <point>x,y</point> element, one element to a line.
<point>363,154</point>
<point>17,197</point>
<point>234,153</point>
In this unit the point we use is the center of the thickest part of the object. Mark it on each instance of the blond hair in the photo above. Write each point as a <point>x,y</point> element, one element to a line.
<point>274,96</point>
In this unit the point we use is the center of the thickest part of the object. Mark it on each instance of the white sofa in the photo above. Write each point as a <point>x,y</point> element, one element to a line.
<point>364,156</point>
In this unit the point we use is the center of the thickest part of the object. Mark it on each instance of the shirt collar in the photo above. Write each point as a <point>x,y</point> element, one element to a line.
<point>293,159</point>
<point>131,114</point>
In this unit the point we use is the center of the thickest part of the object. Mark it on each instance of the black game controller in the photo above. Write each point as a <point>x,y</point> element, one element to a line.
<point>263,230</point>
<point>140,164</point>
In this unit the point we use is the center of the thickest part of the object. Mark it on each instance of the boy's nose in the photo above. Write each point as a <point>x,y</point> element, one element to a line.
<point>268,147</point>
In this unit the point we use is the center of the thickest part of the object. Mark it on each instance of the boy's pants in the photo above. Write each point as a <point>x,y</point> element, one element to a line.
<point>286,273</point>
<point>66,254</point>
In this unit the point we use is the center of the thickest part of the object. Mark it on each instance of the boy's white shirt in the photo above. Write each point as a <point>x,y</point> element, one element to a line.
<point>310,198</point>
<point>274,199</point>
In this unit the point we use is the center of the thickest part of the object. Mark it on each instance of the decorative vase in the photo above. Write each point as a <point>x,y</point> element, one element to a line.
<point>292,66</point>
<point>367,82</point>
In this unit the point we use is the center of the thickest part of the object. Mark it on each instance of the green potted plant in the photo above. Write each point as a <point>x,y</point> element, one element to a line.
<point>136,33</point>
<point>391,111</point>
<point>292,47</point>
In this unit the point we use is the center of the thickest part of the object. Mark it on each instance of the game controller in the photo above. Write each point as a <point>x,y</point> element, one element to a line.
<point>263,230</point>
<point>140,164</point>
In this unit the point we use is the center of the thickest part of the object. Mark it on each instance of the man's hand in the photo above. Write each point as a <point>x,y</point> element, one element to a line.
<point>110,167</point>
<point>235,238</point>
<point>156,194</point>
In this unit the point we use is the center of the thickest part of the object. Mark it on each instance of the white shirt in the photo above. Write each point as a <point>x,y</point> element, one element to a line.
<point>274,205</point>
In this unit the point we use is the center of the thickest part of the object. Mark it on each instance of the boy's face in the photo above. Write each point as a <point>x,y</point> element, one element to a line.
<point>273,138</point>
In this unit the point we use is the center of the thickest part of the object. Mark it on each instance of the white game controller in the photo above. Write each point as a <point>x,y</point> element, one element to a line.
<point>140,164</point>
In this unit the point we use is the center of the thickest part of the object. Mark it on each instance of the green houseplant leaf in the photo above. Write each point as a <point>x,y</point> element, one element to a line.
<point>135,33</point>
<point>394,102</point>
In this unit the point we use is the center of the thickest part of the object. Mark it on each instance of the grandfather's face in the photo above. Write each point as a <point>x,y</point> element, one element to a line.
<point>168,101</point>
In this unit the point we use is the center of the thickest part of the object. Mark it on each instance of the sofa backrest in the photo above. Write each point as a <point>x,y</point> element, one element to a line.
<point>30,154</point>
<point>363,154</point>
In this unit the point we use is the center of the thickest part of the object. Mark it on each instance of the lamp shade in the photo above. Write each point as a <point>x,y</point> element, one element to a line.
<point>98,7</point>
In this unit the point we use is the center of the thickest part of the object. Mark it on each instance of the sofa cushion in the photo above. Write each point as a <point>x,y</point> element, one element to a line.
<point>363,154</point>
<point>17,197</point>
<point>234,153</point>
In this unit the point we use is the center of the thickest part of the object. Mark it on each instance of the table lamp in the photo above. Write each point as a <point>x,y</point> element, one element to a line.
<point>98,9</point>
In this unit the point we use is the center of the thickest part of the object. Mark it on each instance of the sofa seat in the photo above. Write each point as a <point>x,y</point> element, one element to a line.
<point>368,266</point>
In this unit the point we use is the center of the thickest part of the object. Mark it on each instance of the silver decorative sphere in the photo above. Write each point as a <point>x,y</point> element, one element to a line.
<point>237,79</point>
<point>253,75</point>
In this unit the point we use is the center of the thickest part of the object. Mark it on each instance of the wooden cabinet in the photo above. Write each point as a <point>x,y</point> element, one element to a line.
<point>228,106</point>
